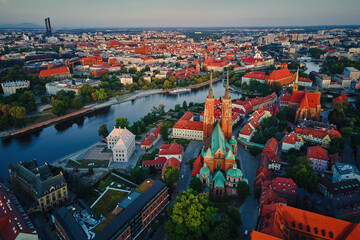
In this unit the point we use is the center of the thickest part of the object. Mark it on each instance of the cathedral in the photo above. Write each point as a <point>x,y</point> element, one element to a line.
<point>307,104</point>
<point>219,172</point>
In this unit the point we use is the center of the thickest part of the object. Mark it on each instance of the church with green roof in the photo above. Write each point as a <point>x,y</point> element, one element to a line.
<point>219,173</point>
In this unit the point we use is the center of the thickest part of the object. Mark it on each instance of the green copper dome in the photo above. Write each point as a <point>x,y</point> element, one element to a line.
<point>234,172</point>
<point>232,141</point>
<point>204,170</point>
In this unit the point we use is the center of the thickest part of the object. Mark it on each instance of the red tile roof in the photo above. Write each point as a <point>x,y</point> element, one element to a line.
<point>280,74</point>
<point>150,138</point>
<point>187,116</point>
<point>317,152</point>
<point>291,138</point>
<point>171,149</point>
<point>311,224</point>
<point>304,80</point>
<point>191,125</point>
<point>157,161</point>
<point>261,236</point>
<point>318,132</point>
<point>341,98</point>
<point>199,162</point>
<point>54,72</point>
<point>271,146</point>
<point>9,227</point>
<point>173,162</point>
<point>268,196</point>
<point>256,75</point>
<point>284,185</point>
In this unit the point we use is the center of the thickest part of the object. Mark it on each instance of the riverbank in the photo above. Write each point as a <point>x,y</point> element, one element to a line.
<point>93,107</point>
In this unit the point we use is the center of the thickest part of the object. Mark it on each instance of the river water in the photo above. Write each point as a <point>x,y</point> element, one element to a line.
<point>54,142</point>
<point>311,66</point>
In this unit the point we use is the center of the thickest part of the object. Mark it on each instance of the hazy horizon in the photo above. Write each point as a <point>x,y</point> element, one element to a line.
<point>170,13</point>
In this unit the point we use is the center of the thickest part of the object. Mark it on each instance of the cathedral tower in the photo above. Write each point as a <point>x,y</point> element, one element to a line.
<point>208,123</point>
<point>226,117</point>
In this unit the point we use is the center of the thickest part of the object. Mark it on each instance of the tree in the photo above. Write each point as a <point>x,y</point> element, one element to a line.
<point>164,131</point>
<point>167,84</point>
<point>346,132</point>
<point>257,193</point>
<point>44,99</point>
<point>303,175</point>
<point>277,87</point>
<point>86,90</point>
<point>192,216</point>
<point>18,112</point>
<point>76,103</point>
<point>196,184</point>
<point>138,174</point>
<point>177,107</point>
<point>336,145</point>
<point>103,131</point>
<point>254,151</point>
<point>171,175</point>
<point>234,214</point>
<point>243,190</point>
<point>101,95</point>
<point>184,105</point>
<point>122,123</point>
<point>58,107</point>
<point>226,229</point>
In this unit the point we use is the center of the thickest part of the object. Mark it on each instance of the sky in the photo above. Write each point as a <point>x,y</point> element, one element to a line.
<point>180,13</point>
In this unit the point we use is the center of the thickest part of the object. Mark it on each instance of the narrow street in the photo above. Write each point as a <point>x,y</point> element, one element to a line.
<point>192,151</point>
<point>249,209</point>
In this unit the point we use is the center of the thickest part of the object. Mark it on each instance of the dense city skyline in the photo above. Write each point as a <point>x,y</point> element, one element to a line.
<point>157,13</point>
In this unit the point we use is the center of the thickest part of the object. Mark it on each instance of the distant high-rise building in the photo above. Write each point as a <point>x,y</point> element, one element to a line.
<point>48,26</point>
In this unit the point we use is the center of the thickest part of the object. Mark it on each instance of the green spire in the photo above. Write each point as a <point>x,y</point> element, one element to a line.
<point>297,76</point>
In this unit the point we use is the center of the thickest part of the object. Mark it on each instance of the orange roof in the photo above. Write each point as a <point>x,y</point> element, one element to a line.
<point>199,162</point>
<point>173,162</point>
<point>319,133</point>
<point>291,138</point>
<point>256,75</point>
<point>317,152</point>
<point>271,146</point>
<point>280,74</point>
<point>157,161</point>
<point>187,116</point>
<point>171,149</point>
<point>309,223</point>
<point>306,99</point>
<point>304,80</point>
<point>255,235</point>
<point>191,125</point>
<point>341,98</point>
<point>54,71</point>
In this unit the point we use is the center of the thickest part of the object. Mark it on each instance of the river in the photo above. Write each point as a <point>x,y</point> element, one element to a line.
<point>54,142</point>
<point>311,66</point>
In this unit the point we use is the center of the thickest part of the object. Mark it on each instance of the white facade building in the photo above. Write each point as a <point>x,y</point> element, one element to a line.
<point>11,87</point>
<point>126,79</point>
<point>343,171</point>
<point>122,143</point>
<point>352,73</point>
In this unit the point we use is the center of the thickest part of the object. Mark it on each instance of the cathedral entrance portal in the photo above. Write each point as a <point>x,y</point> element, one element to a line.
<point>218,165</point>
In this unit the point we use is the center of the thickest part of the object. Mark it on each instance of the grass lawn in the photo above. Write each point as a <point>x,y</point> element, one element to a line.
<point>144,186</point>
<point>85,163</point>
<point>112,181</point>
<point>108,201</point>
